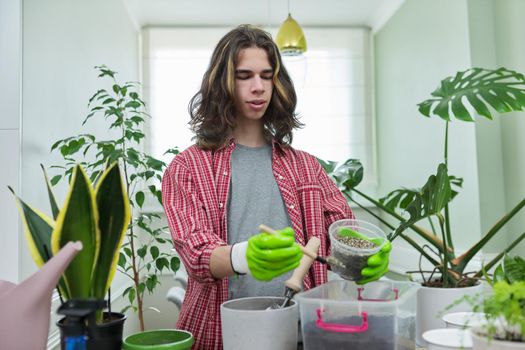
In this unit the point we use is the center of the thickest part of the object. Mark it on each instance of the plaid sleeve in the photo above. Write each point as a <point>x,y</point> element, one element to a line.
<point>193,238</point>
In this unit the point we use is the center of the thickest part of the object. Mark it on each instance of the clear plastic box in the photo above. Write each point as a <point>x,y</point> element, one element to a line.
<point>354,259</point>
<point>379,315</point>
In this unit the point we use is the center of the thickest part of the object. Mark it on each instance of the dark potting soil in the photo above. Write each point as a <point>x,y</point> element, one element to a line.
<point>353,265</point>
<point>438,283</point>
<point>379,336</point>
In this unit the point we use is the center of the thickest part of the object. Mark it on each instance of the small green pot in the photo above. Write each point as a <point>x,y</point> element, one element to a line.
<point>159,339</point>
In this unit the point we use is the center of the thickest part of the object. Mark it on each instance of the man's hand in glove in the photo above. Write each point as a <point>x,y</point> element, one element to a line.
<point>377,264</point>
<point>266,256</point>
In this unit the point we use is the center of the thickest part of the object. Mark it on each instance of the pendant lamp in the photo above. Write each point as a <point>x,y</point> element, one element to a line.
<point>290,38</point>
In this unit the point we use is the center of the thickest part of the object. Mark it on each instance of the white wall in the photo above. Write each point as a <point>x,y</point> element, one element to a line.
<point>62,41</point>
<point>424,42</point>
<point>415,50</point>
<point>510,52</point>
<point>10,47</point>
<point>488,132</point>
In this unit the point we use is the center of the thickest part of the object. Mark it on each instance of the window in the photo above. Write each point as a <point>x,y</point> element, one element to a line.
<point>333,83</point>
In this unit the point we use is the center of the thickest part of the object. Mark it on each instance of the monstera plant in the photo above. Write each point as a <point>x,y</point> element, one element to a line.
<point>98,216</point>
<point>469,93</point>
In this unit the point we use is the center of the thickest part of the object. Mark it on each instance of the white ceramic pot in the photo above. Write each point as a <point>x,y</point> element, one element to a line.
<point>433,301</point>
<point>447,339</point>
<point>464,320</point>
<point>481,342</point>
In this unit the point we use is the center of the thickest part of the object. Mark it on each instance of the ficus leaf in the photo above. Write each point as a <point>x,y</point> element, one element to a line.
<point>139,198</point>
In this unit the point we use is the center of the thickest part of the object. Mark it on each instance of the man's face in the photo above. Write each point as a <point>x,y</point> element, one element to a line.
<point>253,84</point>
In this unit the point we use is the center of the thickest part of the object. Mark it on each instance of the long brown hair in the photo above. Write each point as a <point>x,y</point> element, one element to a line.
<point>212,108</point>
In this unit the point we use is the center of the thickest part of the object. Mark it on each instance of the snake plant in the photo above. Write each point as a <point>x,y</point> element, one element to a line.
<point>98,216</point>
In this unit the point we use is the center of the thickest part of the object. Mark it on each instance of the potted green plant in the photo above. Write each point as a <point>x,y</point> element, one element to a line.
<point>98,217</point>
<point>481,89</point>
<point>146,251</point>
<point>505,313</point>
<point>504,309</point>
<point>501,314</point>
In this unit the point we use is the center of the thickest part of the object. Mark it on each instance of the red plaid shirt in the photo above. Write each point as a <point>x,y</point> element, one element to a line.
<point>195,192</point>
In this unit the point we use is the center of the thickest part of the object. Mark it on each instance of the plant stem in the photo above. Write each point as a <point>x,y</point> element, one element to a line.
<point>383,221</point>
<point>419,249</point>
<point>445,155</point>
<point>464,259</point>
<point>444,273</point>
<point>447,215</point>
<point>432,225</point>
<point>435,241</point>
<point>500,255</point>
<point>136,277</point>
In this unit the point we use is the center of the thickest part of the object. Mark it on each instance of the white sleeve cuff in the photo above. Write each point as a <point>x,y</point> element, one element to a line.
<point>238,258</point>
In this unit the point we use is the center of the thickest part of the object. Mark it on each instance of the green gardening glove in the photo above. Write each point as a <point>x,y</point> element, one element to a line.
<point>271,255</point>
<point>377,264</point>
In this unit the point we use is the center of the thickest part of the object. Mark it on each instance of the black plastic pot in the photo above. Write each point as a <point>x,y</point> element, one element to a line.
<point>105,336</point>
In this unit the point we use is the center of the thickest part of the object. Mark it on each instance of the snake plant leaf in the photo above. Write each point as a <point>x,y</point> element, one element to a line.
<point>52,200</point>
<point>78,221</point>
<point>430,200</point>
<point>501,89</point>
<point>114,218</point>
<point>37,229</point>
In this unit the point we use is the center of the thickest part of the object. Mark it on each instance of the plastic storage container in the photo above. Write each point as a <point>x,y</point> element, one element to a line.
<point>354,259</point>
<point>343,315</point>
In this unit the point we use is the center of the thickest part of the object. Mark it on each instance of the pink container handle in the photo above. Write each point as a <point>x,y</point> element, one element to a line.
<point>341,328</point>
<point>359,297</point>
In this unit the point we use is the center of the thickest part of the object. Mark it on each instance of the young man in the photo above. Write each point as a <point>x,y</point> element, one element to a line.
<point>242,172</point>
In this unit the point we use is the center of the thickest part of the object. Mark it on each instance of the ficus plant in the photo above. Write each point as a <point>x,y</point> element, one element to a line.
<point>476,91</point>
<point>146,249</point>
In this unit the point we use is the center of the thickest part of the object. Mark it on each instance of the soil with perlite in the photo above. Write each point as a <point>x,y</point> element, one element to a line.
<point>353,263</point>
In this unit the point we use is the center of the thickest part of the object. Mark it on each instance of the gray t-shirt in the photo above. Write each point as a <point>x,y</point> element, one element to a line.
<point>254,199</point>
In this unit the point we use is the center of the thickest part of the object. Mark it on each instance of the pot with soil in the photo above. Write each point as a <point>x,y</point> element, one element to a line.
<point>353,242</point>
<point>103,336</point>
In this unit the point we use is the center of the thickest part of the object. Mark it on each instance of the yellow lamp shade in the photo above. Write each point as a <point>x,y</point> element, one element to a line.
<point>290,38</point>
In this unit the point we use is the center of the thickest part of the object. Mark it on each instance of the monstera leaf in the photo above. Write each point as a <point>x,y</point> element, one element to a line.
<point>346,175</point>
<point>430,200</point>
<point>501,89</point>
<point>400,199</point>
